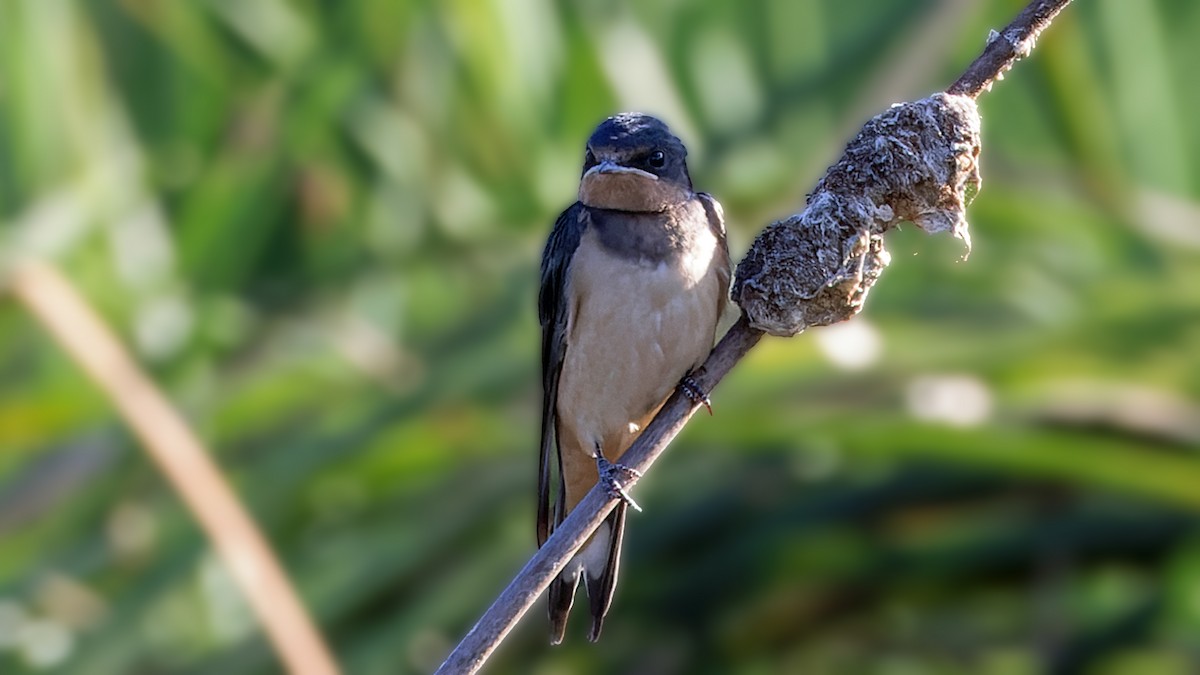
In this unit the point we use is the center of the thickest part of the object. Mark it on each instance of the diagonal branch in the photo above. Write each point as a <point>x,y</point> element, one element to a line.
<point>916,162</point>
<point>579,524</point>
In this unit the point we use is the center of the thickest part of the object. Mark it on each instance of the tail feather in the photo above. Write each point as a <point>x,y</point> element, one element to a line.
<point>561,596</point>
<point>597,563</point>
<point>601,583</point>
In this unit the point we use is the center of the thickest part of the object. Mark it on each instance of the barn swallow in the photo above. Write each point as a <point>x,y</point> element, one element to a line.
<point>635,277</point>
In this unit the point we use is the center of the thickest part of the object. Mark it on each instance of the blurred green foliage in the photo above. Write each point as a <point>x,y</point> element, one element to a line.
<point>318,224</point>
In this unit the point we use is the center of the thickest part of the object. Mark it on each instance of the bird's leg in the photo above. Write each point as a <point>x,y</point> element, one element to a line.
<point>614,476</point>
<point>693,391</point>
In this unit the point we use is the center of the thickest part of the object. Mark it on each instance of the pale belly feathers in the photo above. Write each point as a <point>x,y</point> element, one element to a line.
<point>634,330</point>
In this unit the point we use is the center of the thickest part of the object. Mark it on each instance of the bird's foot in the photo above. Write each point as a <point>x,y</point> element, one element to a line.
<point>693,391</point>
<point>614,476</point>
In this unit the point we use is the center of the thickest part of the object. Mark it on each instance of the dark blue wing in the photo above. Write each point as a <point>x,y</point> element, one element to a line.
<point>716,222</point>
<point>552,313</point>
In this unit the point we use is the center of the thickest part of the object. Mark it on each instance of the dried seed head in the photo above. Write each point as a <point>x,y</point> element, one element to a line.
<point>916,162</point>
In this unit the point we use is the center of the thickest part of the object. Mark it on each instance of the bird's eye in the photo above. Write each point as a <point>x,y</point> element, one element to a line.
<point>657,159</point>
<point>589,159</point>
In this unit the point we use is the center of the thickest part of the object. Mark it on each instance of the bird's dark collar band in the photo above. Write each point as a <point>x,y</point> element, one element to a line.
<point>651,237</point>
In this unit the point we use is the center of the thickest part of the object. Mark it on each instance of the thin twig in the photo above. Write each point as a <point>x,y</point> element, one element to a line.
<point>1007,47</point>
<point>181,457</point>
<point>487,634</point>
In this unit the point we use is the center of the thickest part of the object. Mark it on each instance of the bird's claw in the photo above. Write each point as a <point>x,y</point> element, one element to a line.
<point>614,476</point>
<point>693,391</point>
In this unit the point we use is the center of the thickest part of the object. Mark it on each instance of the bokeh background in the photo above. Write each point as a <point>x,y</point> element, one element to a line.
<point>317,224</point>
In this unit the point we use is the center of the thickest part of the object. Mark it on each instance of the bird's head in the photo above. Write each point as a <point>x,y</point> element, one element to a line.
<point>634,163</point>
